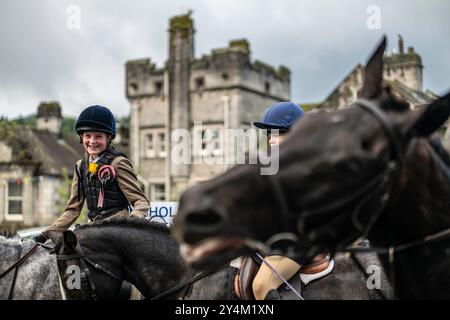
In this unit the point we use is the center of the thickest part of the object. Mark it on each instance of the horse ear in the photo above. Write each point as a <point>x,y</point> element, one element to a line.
<point>374,73</point>
<point>55,235</point>
<point>70,240</point>
<point>434,116</point>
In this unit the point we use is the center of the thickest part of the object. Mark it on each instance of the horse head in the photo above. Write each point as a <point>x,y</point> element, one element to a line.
<point>366,170</point>
<point>80,277</point>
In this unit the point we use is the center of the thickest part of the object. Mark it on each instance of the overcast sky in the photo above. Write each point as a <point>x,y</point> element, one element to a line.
<point>41,59</point>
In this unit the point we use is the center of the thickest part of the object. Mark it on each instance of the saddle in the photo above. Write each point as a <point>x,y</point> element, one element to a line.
<point>249,265</point>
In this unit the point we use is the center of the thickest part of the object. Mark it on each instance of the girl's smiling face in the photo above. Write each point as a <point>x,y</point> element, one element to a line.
<point>95,142</point>
<point>275,140</point>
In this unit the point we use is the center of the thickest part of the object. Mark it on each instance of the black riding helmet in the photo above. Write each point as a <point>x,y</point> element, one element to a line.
<point>96,118</point>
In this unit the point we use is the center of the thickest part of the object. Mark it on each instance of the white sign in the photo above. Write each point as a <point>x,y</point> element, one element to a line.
<point>162,212</point>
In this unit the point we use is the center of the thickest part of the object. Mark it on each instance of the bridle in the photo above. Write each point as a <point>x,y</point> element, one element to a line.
<point>376,190</point>
<point>86,275</point>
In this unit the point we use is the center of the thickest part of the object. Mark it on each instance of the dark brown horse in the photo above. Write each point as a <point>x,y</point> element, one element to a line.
<point>367,170</point>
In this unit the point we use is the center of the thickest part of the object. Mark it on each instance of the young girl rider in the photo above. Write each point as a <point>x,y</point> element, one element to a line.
<point>103,178</point>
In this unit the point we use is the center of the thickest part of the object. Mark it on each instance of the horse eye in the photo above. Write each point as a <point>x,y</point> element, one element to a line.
<point>366,144</point>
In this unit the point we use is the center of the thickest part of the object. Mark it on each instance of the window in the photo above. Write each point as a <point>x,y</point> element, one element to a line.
<point>204,141</point>
<point>158,88</point>
<point>14,199</point>
<point>162,144</point>
<point>149,146</point>
<point>199,84</point>
<point>267,87</point>
<point>215,140</point>
<point>211,143</point>
<point>133,88</point>
<point>159,192</point>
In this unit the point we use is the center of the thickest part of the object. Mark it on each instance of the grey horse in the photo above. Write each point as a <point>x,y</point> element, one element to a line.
<point>37,278</point>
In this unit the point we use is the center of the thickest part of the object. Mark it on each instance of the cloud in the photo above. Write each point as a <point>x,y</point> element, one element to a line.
<point>320,41</point>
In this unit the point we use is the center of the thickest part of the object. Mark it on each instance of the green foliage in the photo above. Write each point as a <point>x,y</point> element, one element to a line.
<point>68,126</point>
<point>83,218</point>
<point>25,121</point>
<point>63,191</point>
<point>124,120</point>
<point>283,72</point>
<point>63,195</point>
<point>181,22</point>
<point>7,129</point>
<point>309,106</point>
<point>241,44</point>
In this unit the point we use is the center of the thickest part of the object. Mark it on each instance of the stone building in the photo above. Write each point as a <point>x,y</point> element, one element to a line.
<point>32,162</point>
<point>403,71</point>
<point>223,90</point>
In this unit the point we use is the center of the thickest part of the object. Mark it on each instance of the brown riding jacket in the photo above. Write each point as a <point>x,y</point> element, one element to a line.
<point>127,181</point>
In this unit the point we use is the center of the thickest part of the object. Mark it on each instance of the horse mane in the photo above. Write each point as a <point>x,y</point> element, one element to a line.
<point>440,150</point>
<point>138,223</point>
<point>6,234</point>
<point>15,241</point>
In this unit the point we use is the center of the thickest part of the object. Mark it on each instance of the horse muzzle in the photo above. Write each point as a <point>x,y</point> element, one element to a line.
<point>194,226</point>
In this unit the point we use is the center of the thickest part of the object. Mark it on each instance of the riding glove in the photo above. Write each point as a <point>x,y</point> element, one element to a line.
<point>41,238</point>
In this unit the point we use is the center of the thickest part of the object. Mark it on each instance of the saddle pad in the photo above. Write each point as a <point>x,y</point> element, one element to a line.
<point>307,278</point>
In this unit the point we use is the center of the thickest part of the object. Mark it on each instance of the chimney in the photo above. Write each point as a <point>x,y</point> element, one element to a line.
<point>400,45</point>
<point>49,117</point>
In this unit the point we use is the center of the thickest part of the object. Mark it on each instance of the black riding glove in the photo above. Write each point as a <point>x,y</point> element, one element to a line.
<point>41,238</point>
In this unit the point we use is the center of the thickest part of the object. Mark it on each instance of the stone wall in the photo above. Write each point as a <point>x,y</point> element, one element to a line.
<point>5,152</point>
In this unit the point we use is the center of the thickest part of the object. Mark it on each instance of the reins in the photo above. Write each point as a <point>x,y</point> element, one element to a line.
<point>185,284</point>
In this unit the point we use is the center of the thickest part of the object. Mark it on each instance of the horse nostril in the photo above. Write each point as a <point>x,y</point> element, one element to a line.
<point>205,219</point>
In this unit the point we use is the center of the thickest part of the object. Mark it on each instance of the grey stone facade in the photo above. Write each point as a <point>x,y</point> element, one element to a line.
<point>224,89</point>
